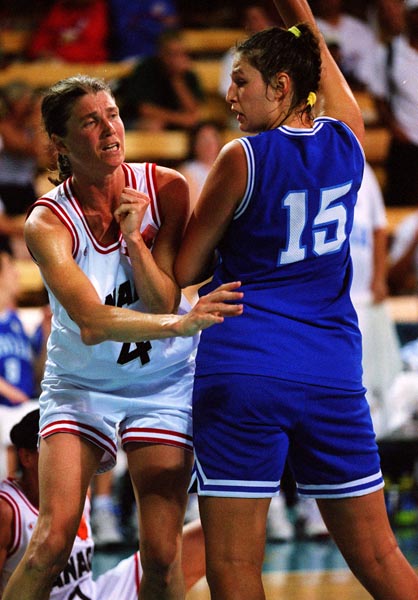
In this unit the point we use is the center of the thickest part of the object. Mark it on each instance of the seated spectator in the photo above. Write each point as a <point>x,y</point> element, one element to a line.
<point>394,86</point>
<point>137,26</point>
<point>163,92</point>
<point>255,17</point>
<point>403,257</point>
<point>205,144</point>
<point>73,31</point>
<point>23,148</point>
<point>354,37</point>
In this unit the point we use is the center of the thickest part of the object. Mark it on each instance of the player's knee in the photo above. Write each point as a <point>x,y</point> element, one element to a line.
<point>159,560</point>
<point>48,556</point>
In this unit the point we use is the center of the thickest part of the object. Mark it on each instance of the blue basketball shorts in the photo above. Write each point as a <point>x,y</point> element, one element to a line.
<point>245,427</point>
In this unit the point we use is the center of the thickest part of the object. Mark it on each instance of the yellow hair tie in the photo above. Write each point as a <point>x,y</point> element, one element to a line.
<point>295,30</point>
<point>311,99</point>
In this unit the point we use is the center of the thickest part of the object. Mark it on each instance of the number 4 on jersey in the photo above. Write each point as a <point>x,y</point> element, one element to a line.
<point>141,350</point>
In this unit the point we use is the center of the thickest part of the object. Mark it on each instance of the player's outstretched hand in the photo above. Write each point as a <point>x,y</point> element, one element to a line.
<point>212,309</point>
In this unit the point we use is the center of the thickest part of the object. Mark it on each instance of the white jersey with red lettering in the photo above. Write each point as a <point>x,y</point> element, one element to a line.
<point>75,581</point>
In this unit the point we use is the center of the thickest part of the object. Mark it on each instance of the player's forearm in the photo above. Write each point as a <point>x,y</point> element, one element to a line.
<point>294,11</point>
<point>158,292</point>
<point>125,325</point>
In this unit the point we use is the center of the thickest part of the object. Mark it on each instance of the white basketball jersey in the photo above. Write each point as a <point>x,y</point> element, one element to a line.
<point>75,581</point>
<point>110,365</point>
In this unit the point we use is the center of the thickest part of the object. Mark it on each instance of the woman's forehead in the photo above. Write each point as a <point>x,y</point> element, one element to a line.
<point>100,98</point>
<point>92,101</point>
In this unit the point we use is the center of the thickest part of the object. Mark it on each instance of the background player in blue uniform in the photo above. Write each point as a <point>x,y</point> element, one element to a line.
<point>285,379</point>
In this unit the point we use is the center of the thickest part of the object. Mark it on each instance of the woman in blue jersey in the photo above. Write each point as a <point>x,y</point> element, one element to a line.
<point>285,380</point>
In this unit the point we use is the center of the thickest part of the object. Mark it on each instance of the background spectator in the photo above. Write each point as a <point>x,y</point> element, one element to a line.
<point>369,290</point>
<point>23,149</point>
<point>205,144</point>
<point>394,87</point>
<point>387,18</point>
<point>73,31</point>
<point>137,25</point>
<point>403,263</point>
<point>354,37</point>
<point>163,91</point>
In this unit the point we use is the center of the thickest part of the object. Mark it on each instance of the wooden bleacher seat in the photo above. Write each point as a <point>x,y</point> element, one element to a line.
<point>197,41</point>
<point>396,214</point>
<point>165,146</point>
<point>209,72</point>
<point>367,106</point>
<point>213,41</point>
<point>13,42</point>
<point>376,144</point>
<point>42,74</point>
<point>32,290</point>
<point>403,309</point>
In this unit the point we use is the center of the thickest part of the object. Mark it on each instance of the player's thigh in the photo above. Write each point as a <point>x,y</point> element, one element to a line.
<point>235,529</point>
<point>67,463</point>
<point>160,476</point>
<point>359,526</point>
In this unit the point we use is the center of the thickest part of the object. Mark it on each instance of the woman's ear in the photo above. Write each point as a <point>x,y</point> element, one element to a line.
<point>281,85</point>
<point>59,144</point>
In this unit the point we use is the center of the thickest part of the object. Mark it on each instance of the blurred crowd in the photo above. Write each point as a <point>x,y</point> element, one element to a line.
<point>376,45</point>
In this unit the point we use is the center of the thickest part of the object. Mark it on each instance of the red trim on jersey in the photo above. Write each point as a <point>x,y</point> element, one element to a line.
<point>17,532</point>
<point>13,483</point>
<point>137,571</point>
<point>75,203</point>
<point>63,216</point>
<point>130,176</point>
<point>152,187</point>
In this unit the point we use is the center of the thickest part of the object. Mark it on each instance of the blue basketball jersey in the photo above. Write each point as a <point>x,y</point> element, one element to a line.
<point>16,356</point>
<point>289,245</point>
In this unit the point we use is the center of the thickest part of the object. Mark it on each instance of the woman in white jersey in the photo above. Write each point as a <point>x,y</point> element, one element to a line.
<point>105,240</point>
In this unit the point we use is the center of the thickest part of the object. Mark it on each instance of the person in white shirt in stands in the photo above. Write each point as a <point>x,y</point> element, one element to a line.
<point>394,85</point>
<point>369,290</point>
<point>355,39</point>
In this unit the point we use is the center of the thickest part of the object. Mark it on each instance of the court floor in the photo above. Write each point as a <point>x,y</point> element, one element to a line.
<point>297,570</point>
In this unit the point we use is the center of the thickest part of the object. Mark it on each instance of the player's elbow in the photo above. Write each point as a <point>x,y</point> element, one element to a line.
<point>90,336</point>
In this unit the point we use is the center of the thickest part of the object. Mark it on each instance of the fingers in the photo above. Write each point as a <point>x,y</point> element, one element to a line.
<point>132,201</point>
<point>222,301</point>
<point>224,293</point>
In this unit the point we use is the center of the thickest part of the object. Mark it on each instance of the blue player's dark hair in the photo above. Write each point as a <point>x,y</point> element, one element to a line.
<point>275,50</point>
